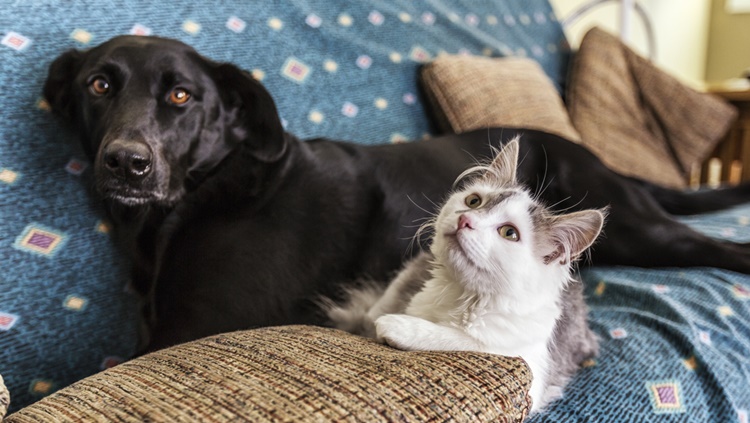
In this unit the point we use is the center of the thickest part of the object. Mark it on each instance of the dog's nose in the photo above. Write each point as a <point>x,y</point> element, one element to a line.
<point>128,160</point>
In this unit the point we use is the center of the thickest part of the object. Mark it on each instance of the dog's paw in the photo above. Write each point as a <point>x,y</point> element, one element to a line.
<point>399,330</point>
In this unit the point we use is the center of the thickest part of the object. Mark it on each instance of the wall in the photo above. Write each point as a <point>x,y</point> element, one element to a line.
<point>728,43</point>
<point>681,30</point>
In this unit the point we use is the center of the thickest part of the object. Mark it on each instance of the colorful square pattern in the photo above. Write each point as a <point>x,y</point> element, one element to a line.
<point>349,109</point>
<point>419,54</point>
<point>41,387</point>
<point>236,24</point>
<point>82,36</point>
<point>666,396</point>
<point>7,321</point>
<point>8,176</point>
<point>76,166</point>
<point>313,20</point>
<point>141,30</point>
<point>15,41</point>
<point>191,27</point>
<point>40,240</point>
<point>295,70</point>
<point>741,292</point>
<point>618,333</point>
<point>75,303</point>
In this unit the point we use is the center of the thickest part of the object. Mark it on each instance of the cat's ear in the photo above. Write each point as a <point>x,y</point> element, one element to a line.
<point>571,234</point>
<point>504,166</point>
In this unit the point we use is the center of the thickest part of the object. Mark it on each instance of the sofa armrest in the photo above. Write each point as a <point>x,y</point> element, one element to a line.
<point>4,398</point>
<point>294,373</point>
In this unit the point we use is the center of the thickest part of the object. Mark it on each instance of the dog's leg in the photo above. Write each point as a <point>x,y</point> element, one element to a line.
<point>678,202</point>
<point>658,240</point>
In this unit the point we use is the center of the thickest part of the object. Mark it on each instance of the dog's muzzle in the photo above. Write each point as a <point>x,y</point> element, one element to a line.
<point>125,172</point>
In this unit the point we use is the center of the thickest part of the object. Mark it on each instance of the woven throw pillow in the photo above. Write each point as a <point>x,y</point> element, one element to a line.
<point>474,92</point>
<point>4,398</point>
<point>295,373</point>
<point>639,120</point>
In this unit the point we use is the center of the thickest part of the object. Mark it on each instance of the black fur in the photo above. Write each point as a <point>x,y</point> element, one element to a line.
<point>233,223</point>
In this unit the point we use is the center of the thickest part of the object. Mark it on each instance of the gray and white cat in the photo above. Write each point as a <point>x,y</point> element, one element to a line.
<point>499,278</point>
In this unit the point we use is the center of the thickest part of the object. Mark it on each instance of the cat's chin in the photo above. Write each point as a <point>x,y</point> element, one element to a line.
<point>456,253</point>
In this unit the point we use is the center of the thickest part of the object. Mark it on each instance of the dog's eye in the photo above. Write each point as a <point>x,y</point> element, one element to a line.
<point>509,232</point>
<point>179,96</point>
<point>473,201</point>
<point>99,86</point>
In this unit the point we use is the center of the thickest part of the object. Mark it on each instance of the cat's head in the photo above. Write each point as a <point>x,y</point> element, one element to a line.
<point>492,234</point>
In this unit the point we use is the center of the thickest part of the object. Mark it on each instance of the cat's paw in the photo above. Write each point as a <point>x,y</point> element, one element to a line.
<point>398,330</point>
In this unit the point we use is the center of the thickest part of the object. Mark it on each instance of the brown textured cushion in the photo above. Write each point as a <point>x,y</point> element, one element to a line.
<point>639,120</point>
<point>294,373</point>
<point>472,92</point>
<point>4,398</point>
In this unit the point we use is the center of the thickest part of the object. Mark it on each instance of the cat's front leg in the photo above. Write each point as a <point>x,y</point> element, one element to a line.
<point>415,334</point>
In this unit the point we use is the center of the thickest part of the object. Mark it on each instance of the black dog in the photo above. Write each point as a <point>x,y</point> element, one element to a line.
<point>233,223</point>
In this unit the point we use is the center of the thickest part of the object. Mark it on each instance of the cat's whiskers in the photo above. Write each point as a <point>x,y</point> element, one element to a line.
<point>430,213</point>
<point>426,228</point>
<point>540,188</point>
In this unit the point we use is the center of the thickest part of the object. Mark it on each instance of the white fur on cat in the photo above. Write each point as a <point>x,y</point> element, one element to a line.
<point>487,290</point>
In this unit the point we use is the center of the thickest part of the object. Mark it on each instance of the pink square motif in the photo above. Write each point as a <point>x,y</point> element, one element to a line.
<point>15,41</point>
<point>349,110</point>
<point>376,18</point>
<point>295,70</point>
<point>418,54</point>
<point>7,321</point>
<point>472,19</point>
<point>313,20</point>
<point>236,24</point>
<point>618,333</point>
<point>364,61</point>
<point>75,167</point>
<point>141,30</point>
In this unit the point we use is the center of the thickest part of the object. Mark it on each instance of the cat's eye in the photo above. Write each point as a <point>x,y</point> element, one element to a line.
<point>473,201</point>
<point>509,232</point>
<point>179,96</point>
<point>99,86</point>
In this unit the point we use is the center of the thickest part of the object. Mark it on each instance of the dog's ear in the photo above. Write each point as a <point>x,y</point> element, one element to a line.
<point>255,119</point>
<point>58,86</point>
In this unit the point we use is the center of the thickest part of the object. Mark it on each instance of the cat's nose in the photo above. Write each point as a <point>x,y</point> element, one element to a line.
<point>464,222</point>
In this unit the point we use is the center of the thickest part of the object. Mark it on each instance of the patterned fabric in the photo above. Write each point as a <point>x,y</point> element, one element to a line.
<point>674,348</point>
<point>295,374</point>
<point>341,70</point>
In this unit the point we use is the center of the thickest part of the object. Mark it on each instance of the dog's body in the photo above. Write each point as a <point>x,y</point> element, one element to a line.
<point>233,223</point>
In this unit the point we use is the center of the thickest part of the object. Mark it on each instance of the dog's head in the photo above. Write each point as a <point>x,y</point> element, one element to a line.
<point>155,117</point>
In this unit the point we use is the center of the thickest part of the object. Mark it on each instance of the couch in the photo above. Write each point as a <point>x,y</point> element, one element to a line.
<point>674,342</point>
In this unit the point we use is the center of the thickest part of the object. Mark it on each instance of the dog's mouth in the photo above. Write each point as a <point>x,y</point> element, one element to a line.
<point>129,196</point>
<point>126,193</point>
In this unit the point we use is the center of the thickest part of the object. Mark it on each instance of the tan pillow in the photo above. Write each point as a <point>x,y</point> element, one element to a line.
<point>473,92</point>
<point>294,373</point>
<point>639,120</point>
<point>4,398</point>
